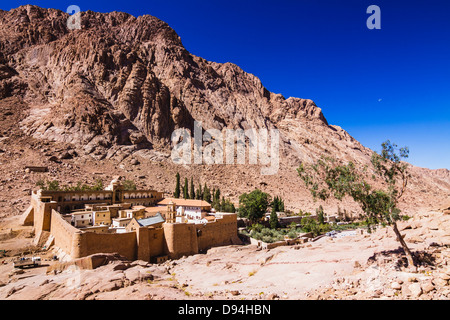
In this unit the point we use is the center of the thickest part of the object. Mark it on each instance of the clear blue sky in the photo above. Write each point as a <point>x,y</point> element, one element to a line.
<point>392,83</point>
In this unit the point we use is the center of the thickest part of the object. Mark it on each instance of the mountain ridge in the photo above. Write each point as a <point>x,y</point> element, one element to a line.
<point>118,88</point>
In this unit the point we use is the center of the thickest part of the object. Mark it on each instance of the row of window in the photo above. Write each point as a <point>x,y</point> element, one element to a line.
<point>86,197</point>
<point>138,196</point>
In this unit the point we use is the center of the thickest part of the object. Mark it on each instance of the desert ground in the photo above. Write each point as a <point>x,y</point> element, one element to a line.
<point>352,265</point>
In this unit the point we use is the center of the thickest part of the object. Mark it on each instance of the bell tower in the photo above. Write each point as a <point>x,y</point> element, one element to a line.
<point>171,212</point>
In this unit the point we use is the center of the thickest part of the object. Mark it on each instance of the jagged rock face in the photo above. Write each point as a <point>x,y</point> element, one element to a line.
<point>122,84</point>
<point>97,81</point>
<point>121,76</point>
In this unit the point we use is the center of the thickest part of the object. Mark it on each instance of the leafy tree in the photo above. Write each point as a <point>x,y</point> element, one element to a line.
<point>53,185</point>
<point>253,205</point>
<point>177,191</point>
<point>229,206</point>
<point>311,225</point>
<point>41,184</point>
<point>98,186</point>
<point>48,185</point>
<point>224,206</point>
<point>129,185</point>
<point>328,178</point>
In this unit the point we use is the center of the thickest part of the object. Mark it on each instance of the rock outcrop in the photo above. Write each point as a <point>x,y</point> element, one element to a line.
<point>121,85</point>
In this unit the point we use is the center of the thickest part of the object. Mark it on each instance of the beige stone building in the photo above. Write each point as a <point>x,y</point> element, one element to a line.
<point>143,237</point>
<point>189,211</point>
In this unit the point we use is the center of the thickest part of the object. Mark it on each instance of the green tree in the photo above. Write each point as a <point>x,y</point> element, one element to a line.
<point>192,192</point>
<point>226,206</point>
<point>185,189</point>
<point>275,204</point>
<point>128,185</point>
<point>216,200</point>
<point>98,186</point>
<point>206,194</point>
<point>253,205</point>
<point>41,185</point>
<point>273,220</point>
<point>217,195</point>
<point>177,191</point>
<point>53,185</point>
<point>320,215</point>
<point>330,178</point>
<point>199,192</point>
<point>278,203</point>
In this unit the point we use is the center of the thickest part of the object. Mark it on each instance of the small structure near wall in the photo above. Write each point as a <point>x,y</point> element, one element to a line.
<point>160,259</point>
<point>35,169</point>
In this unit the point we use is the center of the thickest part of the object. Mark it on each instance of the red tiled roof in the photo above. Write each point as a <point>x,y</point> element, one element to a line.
<point>185,202</point>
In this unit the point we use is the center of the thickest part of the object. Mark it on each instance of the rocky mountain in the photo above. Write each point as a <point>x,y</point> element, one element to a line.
<point>114,91</point>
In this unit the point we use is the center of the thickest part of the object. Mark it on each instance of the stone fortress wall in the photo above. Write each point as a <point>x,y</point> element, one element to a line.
<point>173,240</point>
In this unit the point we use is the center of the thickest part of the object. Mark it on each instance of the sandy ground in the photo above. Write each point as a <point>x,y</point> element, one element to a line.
<point>231,272</point>
<point>366,263</point>
<point>288,272</point>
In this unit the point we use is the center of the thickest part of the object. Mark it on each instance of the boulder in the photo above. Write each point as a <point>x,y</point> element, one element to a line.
<point>427,286</point>
<point>415,289</point>
<point>90,262</point>
<point>65,155</point>
<point>396,286</point>
<point>440,282</point>
<point>135,275</point>
<point>414,239</point>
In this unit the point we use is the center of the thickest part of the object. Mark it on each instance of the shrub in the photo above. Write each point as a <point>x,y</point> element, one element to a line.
<point>292,234</point>
<point>256,227</point>
<point>128,185</point>
<point>405,217</point>
<point>267,235</point>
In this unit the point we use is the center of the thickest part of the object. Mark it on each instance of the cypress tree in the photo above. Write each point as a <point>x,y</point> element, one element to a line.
<point>273,220</point>
<point>200,192</point>
<point>185,189</point>
<point>206,194</point>
<point>192,192</point>
<point>276,204</point>
<point>176,194</point>
<point>217,195</point>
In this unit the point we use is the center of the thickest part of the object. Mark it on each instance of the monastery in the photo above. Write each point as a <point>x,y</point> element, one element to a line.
<point>137,224</point>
